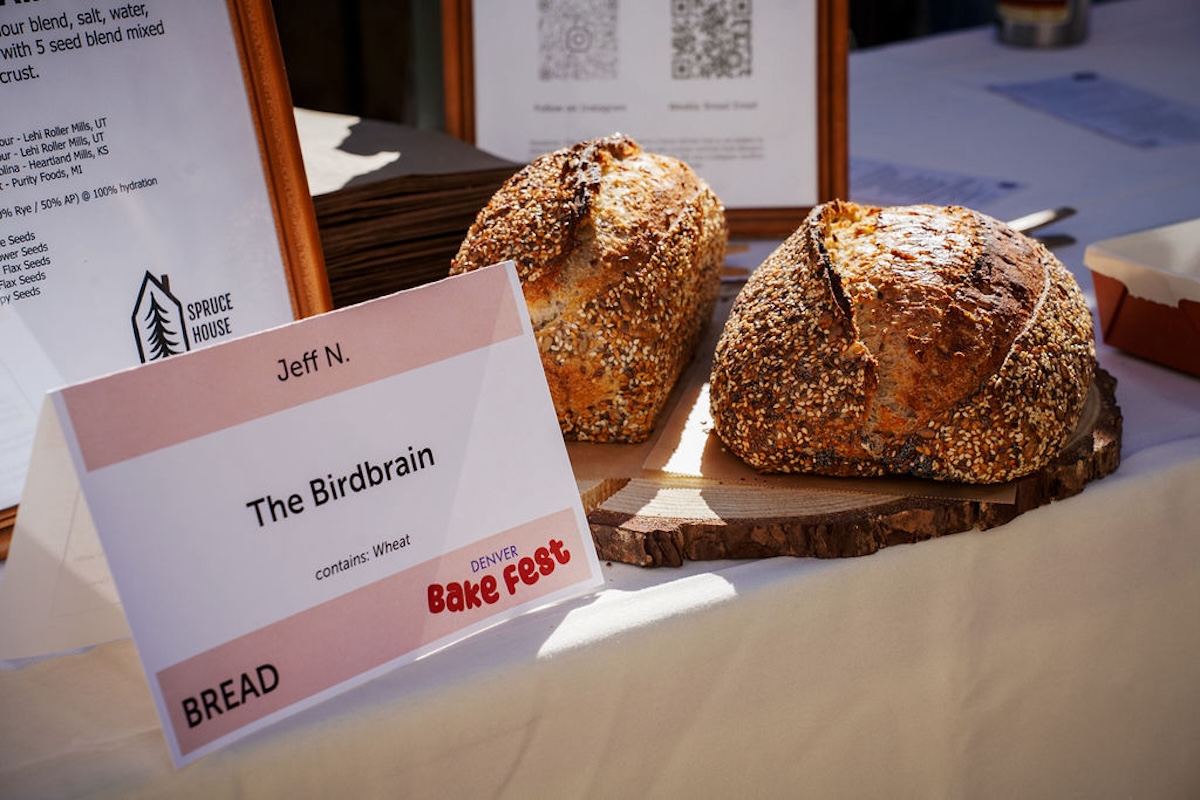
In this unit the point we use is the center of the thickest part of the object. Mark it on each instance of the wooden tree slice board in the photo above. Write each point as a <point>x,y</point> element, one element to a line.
<point>663,520</point>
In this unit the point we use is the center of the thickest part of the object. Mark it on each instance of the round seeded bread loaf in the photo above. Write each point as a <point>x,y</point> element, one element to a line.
<point>917,340</point>
<point>619,252</point>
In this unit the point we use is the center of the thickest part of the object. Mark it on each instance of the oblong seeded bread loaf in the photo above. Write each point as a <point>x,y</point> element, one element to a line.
<point>917,340</point>
<point>619,252</point>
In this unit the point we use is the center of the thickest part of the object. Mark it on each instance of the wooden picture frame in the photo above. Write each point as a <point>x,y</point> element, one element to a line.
<point>283,165</point>
<point>829,113</point>
<point>252,25</point>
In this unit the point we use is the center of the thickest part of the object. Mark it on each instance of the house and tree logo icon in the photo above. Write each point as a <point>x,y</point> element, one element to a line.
<point>158,323</point>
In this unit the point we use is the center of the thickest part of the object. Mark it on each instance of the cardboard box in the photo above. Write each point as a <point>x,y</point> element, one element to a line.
<point>1148,293</point>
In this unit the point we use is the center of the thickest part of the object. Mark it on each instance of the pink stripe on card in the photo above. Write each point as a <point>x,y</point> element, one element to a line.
<point>235,684</point>
<point>168,402</point>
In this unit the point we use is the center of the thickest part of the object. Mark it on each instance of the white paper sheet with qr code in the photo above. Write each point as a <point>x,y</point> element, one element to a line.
<point>728,86</point>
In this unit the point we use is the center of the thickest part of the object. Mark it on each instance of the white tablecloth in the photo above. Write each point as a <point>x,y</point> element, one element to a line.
<point>1057,656</point>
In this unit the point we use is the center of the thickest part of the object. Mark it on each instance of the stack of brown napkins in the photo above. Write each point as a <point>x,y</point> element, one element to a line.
<point>393,202</point>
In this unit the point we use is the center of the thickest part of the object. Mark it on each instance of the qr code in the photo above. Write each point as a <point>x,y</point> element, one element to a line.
<point>577,39</point>
<point>710,39</point>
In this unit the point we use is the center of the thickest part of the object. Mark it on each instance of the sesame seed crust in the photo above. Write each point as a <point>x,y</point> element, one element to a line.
<point>619,253</point>
<point>917,340</point>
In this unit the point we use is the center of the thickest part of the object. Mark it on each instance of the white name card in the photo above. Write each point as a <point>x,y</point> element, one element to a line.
<point>290,513</point>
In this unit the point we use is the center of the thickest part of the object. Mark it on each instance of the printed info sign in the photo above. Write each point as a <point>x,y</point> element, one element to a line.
<point>727,86</point>
<point>135,220</point>
<point>288,514</point>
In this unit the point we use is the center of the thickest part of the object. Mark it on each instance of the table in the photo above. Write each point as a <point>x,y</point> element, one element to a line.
<point>1056,656</point>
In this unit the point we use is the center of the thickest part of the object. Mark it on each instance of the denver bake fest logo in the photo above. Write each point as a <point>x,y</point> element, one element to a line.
<point>161,327</point>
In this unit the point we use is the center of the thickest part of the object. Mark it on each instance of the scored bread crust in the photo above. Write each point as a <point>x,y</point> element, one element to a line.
<point>619,253</point>
<point>920,340</point>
